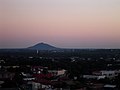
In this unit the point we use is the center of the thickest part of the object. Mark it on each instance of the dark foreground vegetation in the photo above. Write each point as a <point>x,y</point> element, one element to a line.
<point>76,62</point>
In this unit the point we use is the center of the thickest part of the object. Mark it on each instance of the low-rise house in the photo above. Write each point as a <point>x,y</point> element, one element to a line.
<point>107,73</point>
<point>98,77</point>
<point>95,86</point>
<point>57,72</point>
<point>6,75</point>
<point>110,87</point>
<point>38,69</point>
<point>37,86</point>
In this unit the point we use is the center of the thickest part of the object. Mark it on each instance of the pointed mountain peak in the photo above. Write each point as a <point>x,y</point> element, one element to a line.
<point>42,46</point>
<point>42,43</point>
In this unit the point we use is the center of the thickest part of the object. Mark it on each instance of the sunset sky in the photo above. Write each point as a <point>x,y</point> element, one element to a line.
<point>62,23</point>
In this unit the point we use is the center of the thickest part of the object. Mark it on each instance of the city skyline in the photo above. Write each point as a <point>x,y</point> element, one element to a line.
<point>63,23</point>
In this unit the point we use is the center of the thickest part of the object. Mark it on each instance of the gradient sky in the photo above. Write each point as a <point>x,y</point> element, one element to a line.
<point>63,23</point>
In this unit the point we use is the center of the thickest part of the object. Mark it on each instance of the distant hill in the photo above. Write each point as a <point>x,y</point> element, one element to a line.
<point>43,46</point>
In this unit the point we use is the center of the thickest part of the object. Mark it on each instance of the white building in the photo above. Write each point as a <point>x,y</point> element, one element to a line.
<point>103,74</point>
<point>108,73</point>
<point>93,77</point>
<point>110,87</point>
<point>36,86</point>
<point>57,72</point>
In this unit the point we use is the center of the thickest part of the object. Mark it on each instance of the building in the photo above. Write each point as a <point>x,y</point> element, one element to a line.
<point>98,77</point>
<point>107,73</point>
<point>110,87</point>
<point>57,72</point>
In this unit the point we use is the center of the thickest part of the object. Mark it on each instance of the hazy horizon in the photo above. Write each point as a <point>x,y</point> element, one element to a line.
<point>62,23</point>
